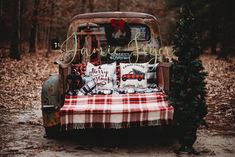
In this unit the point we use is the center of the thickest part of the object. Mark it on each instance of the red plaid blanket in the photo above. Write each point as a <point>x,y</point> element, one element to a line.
<point>115,111</point>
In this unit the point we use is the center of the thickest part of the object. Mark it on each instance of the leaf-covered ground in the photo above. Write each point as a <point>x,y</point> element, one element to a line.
<point>221,92</point>
<point>21,132</point>
<point>21,81</point>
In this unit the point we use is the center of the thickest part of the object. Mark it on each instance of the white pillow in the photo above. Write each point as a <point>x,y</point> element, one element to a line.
<point>103,75</point>
<point>133,75</point>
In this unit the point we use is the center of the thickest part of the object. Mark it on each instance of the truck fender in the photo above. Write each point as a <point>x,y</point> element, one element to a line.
<point>50,101</point>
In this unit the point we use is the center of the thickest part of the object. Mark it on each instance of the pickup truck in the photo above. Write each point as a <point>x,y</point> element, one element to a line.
<point>96,86</point>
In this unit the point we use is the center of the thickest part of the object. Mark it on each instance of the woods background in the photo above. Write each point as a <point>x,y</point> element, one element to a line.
<point>28,25</point>
<point>26,30</point>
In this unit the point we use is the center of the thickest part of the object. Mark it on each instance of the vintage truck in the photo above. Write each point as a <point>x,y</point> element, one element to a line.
<point>89,92</point>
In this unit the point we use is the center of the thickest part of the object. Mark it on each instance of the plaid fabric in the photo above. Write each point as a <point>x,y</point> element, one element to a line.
<point>115,111</point>
<point>88,87</point>
<point>152,74</point>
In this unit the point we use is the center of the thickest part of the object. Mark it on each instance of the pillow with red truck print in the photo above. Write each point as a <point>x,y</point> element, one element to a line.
<point>133,75</point>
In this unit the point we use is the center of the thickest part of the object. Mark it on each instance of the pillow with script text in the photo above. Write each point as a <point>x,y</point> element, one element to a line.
<point>103,75</point>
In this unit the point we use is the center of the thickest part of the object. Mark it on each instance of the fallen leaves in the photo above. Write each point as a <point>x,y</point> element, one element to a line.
<point>221,92</point>
<point>21,81</point>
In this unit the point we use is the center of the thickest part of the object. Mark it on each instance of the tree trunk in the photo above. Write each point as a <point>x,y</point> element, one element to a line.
<point>46,35</point>
<point>118,5</point>
<point>1,8</point>
<point>2,24</point>
<point>15,47</point>
<point>107,5</point>
<point>91,6</point>
<point>213,46</point>
<point>224,42</point>
<point>213,40</point>
<point>188,136</point>
<point>213,33</point>
<point>223,54</point>
<point>50,30</point>
<point>22,4</point>
<point>33,32</point>
<point>82,6</point>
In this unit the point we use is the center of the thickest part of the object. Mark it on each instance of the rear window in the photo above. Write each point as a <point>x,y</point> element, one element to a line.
<point>120,55</point>
<point>142,29</point>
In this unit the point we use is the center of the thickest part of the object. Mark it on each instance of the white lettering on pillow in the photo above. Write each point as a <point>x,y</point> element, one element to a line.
<point>103,75</point>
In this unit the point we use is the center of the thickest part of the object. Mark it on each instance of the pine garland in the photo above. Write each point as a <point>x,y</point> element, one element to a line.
<point>187,92</point>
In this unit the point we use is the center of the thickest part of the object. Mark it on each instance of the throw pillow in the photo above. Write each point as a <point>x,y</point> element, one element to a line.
<point>103,75</point>
<point>152,74</point>
<point>133,75</point>
<point>88,87</point>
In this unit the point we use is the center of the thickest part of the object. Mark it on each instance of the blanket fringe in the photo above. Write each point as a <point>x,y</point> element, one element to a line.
<point>81,126</point>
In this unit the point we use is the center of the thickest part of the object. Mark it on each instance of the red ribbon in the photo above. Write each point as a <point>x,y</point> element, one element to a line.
<point>118,24</point>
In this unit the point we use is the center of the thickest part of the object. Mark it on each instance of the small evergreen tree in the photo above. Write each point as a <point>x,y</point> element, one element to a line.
<point>187,92</point>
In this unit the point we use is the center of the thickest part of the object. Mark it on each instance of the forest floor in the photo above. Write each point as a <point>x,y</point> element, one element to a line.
<point>22,133</point>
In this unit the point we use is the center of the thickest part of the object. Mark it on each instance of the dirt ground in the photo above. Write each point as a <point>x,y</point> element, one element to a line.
<point>22,133</point>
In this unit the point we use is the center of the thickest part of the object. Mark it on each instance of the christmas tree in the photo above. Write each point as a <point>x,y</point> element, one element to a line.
<point>187,92</point>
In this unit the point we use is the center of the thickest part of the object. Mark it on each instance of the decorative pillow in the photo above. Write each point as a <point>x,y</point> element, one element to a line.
<point>103,75</point>
<point>133,75</point>
<point>152,74</point>
<point>88,87</point>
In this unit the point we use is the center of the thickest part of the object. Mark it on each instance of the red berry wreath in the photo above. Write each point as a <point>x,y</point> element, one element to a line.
<point>118,32</point>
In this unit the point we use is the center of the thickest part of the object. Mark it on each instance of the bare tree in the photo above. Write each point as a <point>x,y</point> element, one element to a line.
<point>1,7</point>
<point>15,47</point>
<point>50,28</point>
<point>91,6</point>
<point>107,5</point>
<point>33,32</point>
<point>83,6</point>
<point>118,5</point>
<point>22,3</point>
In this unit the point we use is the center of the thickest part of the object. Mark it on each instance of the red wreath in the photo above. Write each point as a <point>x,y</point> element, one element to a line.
<point>118,24</point>
<point>115,26</point>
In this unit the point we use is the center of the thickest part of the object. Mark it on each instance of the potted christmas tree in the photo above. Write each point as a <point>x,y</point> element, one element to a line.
<point>187,92</point>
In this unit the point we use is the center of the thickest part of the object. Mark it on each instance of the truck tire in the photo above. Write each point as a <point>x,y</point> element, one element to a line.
<point>52,132</point>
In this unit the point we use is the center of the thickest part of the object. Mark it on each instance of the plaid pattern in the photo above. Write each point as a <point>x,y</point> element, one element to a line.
<point>88,87</point>
<point>152,74</point>
<point>115,111</point>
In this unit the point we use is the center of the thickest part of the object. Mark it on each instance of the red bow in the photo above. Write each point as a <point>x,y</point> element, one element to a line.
<point>118,24</point>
